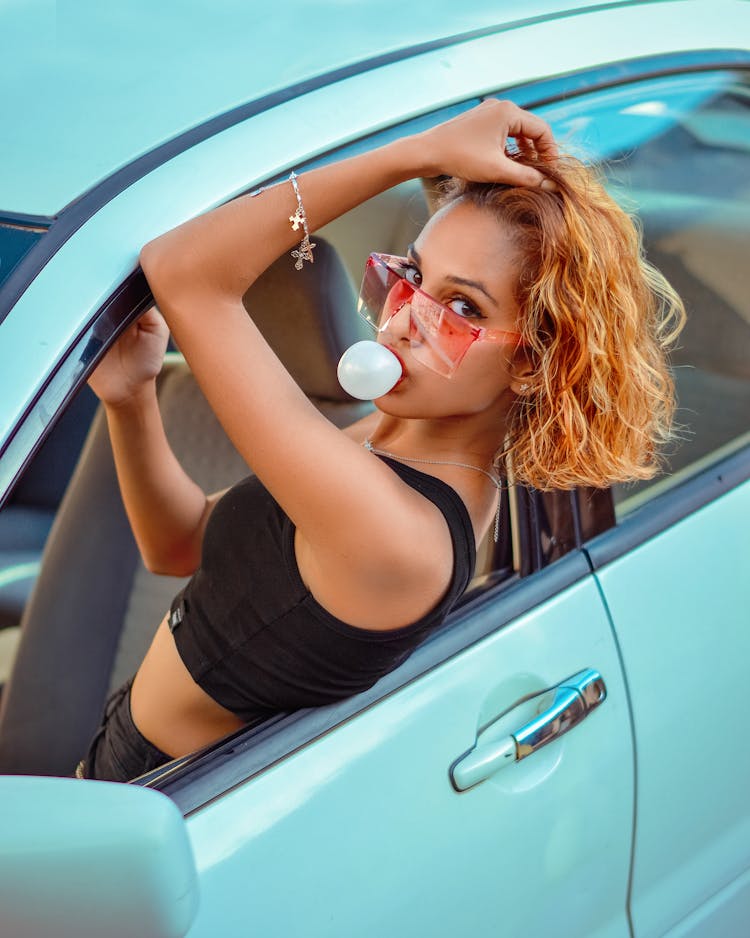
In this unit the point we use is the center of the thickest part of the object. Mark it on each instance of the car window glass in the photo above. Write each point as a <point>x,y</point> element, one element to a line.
<point>676,150</point>
<point>26,518</point>
<point>17,238</point>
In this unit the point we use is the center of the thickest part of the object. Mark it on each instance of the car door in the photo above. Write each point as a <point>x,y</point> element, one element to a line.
<point>675,573</point>
<point>680,598</point>
<point>362,831</point>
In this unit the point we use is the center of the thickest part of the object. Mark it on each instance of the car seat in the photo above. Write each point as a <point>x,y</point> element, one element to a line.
<point>26,520</point>
<point>95,607</point>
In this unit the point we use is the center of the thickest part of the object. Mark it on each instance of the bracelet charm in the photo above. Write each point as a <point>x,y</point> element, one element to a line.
<point>304,252</point>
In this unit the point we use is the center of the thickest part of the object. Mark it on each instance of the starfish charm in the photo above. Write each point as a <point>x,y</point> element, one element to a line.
<point>304,253</point>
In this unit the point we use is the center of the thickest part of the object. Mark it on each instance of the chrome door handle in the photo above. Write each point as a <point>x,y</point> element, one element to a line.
<point>574,700</point>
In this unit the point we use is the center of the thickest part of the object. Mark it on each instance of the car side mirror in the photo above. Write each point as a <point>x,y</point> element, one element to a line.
<point>84,858</point>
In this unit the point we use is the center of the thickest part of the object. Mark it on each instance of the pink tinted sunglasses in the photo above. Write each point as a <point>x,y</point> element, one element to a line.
<point>439,337</point>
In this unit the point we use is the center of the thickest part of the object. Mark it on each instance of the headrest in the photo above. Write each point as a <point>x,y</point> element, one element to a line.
<point>309,318</point>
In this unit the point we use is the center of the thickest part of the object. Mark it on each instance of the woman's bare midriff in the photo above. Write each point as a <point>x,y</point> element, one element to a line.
<point>169,708</point>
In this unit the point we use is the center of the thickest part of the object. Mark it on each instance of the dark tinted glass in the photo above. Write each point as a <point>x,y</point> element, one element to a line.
<point>16,240</point>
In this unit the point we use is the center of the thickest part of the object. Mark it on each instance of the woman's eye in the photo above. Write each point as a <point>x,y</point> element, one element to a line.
<point>412,275</point>
<point>464,308</point>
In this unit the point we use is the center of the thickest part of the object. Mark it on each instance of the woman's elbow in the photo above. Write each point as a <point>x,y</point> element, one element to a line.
<point>171,266</point>
<point>178,565</point>
<point>152,261</point>
<point>158,266</point>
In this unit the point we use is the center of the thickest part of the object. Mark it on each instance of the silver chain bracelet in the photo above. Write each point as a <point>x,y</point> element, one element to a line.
<point>304,252</point>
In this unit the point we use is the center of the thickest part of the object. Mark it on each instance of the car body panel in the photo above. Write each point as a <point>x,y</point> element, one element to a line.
<point>681,606</point>
<point>358,807</point>
<point>100,90</point>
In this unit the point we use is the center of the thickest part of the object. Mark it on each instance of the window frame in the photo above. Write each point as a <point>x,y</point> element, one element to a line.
<point>667,508</point>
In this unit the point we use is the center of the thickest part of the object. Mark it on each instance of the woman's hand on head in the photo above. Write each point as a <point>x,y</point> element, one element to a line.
<point>133,361</point>
<point>472,146</point>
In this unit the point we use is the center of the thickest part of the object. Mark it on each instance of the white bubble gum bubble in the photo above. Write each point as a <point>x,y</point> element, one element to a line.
<point>368,370</point>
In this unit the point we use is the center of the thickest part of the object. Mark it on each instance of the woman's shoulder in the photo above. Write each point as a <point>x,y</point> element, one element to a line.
<point>395,581</point>
<point>445,497</point>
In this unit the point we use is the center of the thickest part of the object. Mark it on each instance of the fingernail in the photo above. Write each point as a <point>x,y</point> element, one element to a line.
<point>549,185</point>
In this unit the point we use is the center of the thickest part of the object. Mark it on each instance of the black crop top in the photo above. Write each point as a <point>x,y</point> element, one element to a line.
<point>253,636</point>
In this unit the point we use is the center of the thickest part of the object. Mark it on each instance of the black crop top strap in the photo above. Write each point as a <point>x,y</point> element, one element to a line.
<point>453,509</point>
<point>254,637</point>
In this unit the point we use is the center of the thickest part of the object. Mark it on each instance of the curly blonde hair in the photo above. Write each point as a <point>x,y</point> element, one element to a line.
<point>597,322</point>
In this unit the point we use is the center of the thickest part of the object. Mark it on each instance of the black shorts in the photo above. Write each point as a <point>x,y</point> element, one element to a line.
<point>118,751</point>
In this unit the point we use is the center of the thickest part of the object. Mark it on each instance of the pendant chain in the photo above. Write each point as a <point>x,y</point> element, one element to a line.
<point>494,479</point>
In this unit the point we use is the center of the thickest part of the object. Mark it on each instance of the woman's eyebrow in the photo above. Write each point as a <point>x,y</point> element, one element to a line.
<point>411,250</point>
<point>473,283</point>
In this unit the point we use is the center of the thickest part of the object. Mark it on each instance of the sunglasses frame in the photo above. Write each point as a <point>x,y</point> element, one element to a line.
<point>392,263</point>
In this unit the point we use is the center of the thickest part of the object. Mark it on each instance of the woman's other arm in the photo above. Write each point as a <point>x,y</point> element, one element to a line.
<point>167,510</point>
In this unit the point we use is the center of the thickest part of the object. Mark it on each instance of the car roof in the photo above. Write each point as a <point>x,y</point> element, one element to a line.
<point>87,88</point>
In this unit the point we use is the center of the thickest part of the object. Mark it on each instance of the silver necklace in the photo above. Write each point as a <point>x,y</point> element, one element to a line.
<point>494,479</point>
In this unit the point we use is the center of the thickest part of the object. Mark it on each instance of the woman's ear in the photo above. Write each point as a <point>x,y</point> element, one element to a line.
<point>521,373</point>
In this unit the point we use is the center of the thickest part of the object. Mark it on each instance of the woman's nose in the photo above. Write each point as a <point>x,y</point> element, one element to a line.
<point>398,323</point>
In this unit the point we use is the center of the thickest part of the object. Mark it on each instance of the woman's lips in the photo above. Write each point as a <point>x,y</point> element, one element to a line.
<point>404,372</point>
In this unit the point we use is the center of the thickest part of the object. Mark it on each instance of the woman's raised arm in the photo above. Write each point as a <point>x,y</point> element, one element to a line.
<point>225,250</point>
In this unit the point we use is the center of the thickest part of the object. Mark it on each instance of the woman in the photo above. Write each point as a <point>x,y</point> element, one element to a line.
<point>525,325</point>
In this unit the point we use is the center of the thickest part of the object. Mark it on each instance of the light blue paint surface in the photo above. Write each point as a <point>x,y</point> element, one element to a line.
<point>681,607</point>
<point>82,859</point>
<point>88,87</point>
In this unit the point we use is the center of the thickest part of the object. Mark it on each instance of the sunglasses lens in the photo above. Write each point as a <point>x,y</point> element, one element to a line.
<point>377,296</point>
<point>438,337</point>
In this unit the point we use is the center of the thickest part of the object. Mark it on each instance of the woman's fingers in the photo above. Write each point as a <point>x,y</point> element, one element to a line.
<point>518,174</point>
<point>152,321</point>
<point>535,132</point>
<point>135,359</point>
<point>473,145</point>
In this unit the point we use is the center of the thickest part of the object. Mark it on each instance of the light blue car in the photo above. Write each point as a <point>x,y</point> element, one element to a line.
<point>568,755</point>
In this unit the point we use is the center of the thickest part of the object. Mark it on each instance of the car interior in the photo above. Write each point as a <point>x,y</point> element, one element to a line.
<point>80,636</point>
